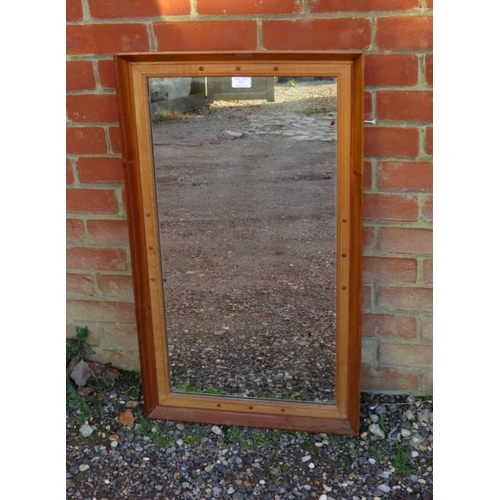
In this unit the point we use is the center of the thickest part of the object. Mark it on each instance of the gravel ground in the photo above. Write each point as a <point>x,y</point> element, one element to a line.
<point>126,456</point>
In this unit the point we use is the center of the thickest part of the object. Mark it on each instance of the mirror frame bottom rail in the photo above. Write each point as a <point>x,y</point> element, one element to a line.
<point>132,72</point>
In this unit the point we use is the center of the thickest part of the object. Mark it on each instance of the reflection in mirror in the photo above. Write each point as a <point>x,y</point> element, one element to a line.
<point>245,174</point>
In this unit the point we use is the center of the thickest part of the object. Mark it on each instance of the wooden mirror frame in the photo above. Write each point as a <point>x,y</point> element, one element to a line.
<point>132,72</point>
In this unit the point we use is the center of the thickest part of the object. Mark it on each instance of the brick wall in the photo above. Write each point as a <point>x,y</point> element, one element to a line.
<point>396,36</point>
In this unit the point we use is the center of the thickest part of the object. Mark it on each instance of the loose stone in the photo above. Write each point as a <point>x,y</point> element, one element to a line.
<point>86,430</point>
<point>423,416</point>
<point>376,431</point>
<point>409,415</point>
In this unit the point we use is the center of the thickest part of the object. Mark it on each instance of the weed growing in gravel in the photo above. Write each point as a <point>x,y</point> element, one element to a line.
<point>215,391</point>
<point>163,441</point>
<point>236,433</point>
<point>76,349</point>
<point>251,441</point>
<point>382,423</point>
<point>401,460</point>
<point>162,435</point>
<point>196,434</point>
<point>260,439</point>
<point>78,346</point>
<point>305,437</point>
<point>293,395</point>
<point>76,402</point>
<point>278,434</point>
<point>186,387</point>
<point>274,471</point>
<point>270,395</point>
<point>134,381</point>
<point>142,424</point>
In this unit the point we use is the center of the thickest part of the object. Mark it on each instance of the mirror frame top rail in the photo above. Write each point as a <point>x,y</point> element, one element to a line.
<point>132,73</point>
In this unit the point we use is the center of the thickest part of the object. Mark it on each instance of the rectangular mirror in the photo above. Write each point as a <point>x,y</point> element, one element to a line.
<point>243,189</point>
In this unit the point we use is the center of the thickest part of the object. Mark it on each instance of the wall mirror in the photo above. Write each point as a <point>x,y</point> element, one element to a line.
<point>243,187</point>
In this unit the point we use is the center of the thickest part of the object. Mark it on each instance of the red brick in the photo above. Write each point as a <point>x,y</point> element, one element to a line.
<point>390,207</point>
<point>75,231</point>
<point>428,271</point>
<point>429,77</point>
<point>122,359</point>
<point>317,34</point>
<point>69,172</point>
<point>206,35</point>
<point>404,105</point>
<point>79,284</point>
<point>94,339</point>
<point>74,10</point>
<point>79,75</point>
<point>413,176</point>
<point>367,295</point>
<point>404,33</point>
<point>106,39</point>
<point>401,240</point>
<point>85,140</point>
<point>100,201</point>
<point>391,141</point>
<point>115,286</point>
<point>389,379</point>
<point>368,238</point>
<point>427,327</point>
<point>111,9</point>
<point>427,383</point>
<point>389,269</point>
<point>368,106</point>
<point>428,208</point>
<point>92,108</point>
<point>410,355</point>
<point>102,259</point>
<point>242,7</point>
<point>116,140</point>
<point>428,140</point>
<point>87,311</point>
<point>388,325</point>
<point>394,298</point>
<point>391,69</point>
<point>362,5</point>
<point>120,336</point>
<point>108,231</point>
<point>96,170</point>
<point>430,4</point>
<point>368,175</point>
<point>107,75</point>
<point>368,352</point>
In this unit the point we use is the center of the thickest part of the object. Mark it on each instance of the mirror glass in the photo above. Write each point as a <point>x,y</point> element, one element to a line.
<point>246,187</point>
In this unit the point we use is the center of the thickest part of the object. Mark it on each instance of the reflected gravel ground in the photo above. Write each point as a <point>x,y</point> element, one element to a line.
<point>391,458</point>
<point>247,209</point>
